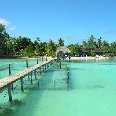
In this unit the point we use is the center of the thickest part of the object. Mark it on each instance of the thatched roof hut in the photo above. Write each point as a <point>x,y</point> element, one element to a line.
<point>62,52</point>
<point>63,49</point>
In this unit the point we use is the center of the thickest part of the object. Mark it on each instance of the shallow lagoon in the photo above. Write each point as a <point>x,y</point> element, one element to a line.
<point>16,65</point>
<point>92,92</point>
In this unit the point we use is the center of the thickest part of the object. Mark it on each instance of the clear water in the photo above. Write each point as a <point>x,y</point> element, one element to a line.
<point>16,65</point>
<point>92,92</point>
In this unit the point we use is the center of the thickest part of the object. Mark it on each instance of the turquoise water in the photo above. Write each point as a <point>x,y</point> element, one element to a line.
<point>16,65</point>
<point>92,92</point>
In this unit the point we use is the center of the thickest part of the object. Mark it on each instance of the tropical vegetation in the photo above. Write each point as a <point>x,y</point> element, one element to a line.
<point>23,46</point>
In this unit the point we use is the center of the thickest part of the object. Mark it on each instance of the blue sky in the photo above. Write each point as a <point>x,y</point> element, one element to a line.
<point>72,20</point>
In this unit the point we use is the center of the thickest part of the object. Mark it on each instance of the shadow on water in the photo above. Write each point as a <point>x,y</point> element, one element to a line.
<point>14,69</point>
<point>107,64</point>
<point>96,86</point>
<point>7,110</point>
<point>72,68</point>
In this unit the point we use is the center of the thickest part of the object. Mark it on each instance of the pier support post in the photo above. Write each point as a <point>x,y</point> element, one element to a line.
<point>27,64</point>
<point>46,58</point>
<point>60,64</point>
<point>37,61</point>
<point>40,70</point>
<point>28,77</point>
<point>38,83</point>
<point>9,93</point>
<point>31,79</point>
<point>43,68</point>
<point>22,89</point>
<point>35,74</point>
<point>47,65</point>
<point>9,67</point>
<point>68,77</point>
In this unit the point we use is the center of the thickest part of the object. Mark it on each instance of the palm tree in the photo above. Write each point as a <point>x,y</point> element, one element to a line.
<point>51,48</point>
<point>60,42</point>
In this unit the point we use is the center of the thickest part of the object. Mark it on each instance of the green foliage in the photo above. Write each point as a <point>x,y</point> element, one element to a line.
<point>75,49</point>
<point>60,42</point>
<point>105,47</point>
<point>92,53</point>
<point>2,28</point>
<point>28,51</point>
<point>51,48</point>
<point>23,46</point>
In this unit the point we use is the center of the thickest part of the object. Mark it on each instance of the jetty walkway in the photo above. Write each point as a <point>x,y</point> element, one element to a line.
<point>7,82</point>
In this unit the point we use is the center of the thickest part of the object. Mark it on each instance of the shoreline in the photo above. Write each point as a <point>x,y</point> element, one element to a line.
<point>72,58</point>
<point>88,58</point>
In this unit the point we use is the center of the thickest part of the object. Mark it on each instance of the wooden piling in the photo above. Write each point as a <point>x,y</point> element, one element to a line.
<point>40,70</point>
<point>43,68</point>
<point>46,58</point>
<point>28,77</point>
<point>38,83</point>
<point>35,74</point>
<point>47,65</point>
<point>10,74</point>
<point>68,76</point>
<point>22,89</point>
<point>9,69</point>
<point>31,78</point>
<point>9,93</point>
<point>60,64</point>
<point>27,64</point>
<point>37,61</point>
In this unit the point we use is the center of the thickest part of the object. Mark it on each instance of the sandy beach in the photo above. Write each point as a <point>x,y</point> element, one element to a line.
<point>87,58</point>
<point>73,58</point>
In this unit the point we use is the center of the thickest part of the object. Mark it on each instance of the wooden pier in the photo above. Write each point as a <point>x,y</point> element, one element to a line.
<point>7,82</point>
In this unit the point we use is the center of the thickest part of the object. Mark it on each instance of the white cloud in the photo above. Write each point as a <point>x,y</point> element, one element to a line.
<point>4,21</point>
<point>7,24</point>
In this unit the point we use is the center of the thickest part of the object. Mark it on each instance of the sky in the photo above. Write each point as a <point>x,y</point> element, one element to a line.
<point>73,20</point>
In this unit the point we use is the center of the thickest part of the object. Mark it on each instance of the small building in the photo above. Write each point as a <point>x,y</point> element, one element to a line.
<point>62,52</point>
<point>97,51</point>
<point>87,51</point>
<point>84,52</point>
<point>110,55</point>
